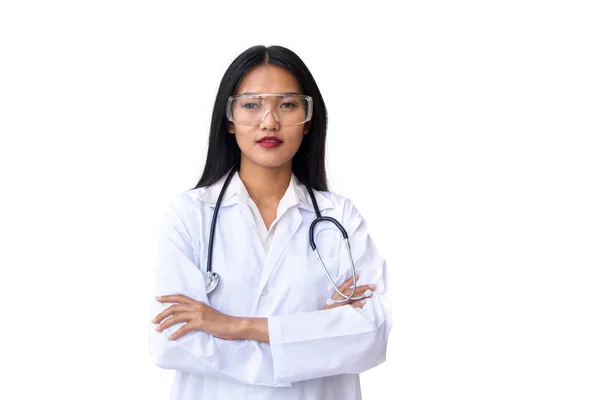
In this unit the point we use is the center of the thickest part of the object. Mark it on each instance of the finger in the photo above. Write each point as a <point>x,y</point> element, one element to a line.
<point>345,285</point>
<point>334,305</point>
<point>360,290</point>
<point>183,317</point>
<point>175,298</point>
<point>366,290</point>
<point>164,314</point>
<point>180,332</point>
<point>353,303</point>
<point>359,304</point>
<point>175,308</point>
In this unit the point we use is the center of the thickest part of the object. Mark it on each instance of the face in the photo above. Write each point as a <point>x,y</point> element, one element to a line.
<point>268,79</point>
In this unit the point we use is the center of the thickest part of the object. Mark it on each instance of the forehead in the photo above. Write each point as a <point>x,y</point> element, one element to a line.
<point>268,79</point>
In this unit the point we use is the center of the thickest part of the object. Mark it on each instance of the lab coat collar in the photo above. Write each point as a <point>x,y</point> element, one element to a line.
<point>237,193</point>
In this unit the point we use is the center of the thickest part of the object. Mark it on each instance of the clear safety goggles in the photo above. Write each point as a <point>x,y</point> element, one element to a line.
<point>252,109</point>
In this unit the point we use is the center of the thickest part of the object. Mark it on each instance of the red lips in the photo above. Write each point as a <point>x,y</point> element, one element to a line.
<point>270,138</point>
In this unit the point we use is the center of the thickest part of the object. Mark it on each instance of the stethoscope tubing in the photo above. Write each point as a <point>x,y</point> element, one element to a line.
<point>213,278</point>
<point>313,245</point>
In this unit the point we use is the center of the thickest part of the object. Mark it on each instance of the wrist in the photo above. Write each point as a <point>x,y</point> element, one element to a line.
<point>242,328</point>
<point>253,329</point>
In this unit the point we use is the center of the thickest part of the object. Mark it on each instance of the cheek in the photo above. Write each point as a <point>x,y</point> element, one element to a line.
<point>293,143</point>
<point>296,138</point>
<point>244,139</point>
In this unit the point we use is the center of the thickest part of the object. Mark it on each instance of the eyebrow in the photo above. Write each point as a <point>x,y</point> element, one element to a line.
<point>272,93</point>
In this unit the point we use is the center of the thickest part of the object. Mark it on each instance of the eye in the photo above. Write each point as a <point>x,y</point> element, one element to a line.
<point>250,106</point>
<point>288,104</point>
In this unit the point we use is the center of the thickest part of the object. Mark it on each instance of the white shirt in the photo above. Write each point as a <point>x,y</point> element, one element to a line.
<point>288,200</point>
<point>313,353</point>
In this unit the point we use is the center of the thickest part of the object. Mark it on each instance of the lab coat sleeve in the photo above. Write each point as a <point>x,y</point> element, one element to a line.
<point>342,340</point>
<point>239,361</point>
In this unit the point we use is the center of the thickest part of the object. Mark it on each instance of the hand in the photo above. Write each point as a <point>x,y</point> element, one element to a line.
<point>346,288</point>
<point>198,316</point>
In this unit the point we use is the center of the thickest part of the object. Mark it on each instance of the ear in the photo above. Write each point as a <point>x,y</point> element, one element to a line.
<point>230,127</point>
<point>307,127</point>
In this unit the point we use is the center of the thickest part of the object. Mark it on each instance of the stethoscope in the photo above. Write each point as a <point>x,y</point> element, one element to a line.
<point>213,277</point>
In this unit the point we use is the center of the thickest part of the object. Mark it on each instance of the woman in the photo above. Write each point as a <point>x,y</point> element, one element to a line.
<point>274,327</point>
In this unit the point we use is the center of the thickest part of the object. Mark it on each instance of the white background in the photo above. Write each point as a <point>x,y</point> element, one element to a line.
<point>466,132</point>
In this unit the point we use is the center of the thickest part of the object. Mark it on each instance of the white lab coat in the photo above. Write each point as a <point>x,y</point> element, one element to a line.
<point>313,353</point>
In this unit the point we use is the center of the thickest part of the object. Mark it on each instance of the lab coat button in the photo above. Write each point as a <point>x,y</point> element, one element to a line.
<point>265,291</point>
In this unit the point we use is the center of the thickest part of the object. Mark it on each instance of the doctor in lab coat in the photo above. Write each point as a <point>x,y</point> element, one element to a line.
<point>266,332</point>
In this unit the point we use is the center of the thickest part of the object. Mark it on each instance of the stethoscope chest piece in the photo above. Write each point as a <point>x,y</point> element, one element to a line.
<point>213,281</point>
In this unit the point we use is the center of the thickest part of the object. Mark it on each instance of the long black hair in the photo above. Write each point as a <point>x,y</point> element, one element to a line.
<point>308,163</point>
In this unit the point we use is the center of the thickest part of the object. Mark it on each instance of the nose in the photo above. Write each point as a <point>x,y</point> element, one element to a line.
<point>269,121</point>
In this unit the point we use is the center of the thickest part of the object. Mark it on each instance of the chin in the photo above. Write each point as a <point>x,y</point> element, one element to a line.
<point>272,164</point>
<point>270,160</point>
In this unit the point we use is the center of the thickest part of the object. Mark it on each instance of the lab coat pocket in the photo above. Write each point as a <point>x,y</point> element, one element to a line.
<point>311,288</point>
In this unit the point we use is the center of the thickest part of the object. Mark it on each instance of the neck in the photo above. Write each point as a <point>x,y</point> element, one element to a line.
<point>265,185</point>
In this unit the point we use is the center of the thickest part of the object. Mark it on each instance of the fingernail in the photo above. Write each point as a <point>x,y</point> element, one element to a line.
<point>363,302</point>
<point>372,286</point>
